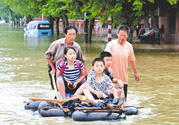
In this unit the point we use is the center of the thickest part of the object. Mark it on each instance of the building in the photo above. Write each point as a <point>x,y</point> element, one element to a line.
<point>169,18</point>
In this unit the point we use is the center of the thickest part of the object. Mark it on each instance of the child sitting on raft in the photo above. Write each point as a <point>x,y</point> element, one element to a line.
<point>98,84</point>
<point>107,57</point>
<point>72,77</point>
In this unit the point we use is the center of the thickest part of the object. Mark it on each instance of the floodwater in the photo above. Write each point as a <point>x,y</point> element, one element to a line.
<point>23,74</point>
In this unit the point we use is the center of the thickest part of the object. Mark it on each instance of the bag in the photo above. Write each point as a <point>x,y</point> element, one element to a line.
<point>63,65</point>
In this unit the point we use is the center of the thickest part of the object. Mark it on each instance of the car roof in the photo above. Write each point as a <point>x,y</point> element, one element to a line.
<point>40,22</point>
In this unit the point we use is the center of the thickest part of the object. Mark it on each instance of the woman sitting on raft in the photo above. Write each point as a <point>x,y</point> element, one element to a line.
<point>70,73</point>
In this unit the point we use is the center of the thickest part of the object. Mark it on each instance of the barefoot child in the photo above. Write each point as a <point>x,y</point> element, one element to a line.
<point>98,84</point>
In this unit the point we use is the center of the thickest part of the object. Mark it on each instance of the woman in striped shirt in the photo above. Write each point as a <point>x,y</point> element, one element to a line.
<point>70,73</point>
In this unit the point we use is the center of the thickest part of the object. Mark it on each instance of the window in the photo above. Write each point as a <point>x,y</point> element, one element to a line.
<point>44,26</point>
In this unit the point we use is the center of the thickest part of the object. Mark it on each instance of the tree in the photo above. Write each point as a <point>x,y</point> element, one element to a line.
<point>26,8</point>
<point>89,8</point>
<point>5,11</point>
<point>55,10</point>
<point>129,12</point>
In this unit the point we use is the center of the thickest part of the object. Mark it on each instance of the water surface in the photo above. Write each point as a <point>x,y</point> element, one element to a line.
<point>23,74</point>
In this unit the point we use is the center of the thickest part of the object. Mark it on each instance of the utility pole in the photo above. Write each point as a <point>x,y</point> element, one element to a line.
<point>109,29</point>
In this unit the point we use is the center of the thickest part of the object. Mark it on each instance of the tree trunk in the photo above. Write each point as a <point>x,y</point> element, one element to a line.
<point>65,20</point>
<point>57,26</point>
<point>86,31</point>
<point>51,22</point>
<point>29,18</point>
<point>90,29</point>
<point>63,23</point>
<point>130,36</point>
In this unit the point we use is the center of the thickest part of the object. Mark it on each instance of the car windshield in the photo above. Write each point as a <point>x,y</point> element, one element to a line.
<point>44,26</point>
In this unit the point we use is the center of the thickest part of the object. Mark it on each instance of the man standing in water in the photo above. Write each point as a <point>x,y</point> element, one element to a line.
<point>56,50</point>
<point>122,51</point>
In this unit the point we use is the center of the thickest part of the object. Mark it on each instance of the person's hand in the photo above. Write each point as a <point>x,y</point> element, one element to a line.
<point>52,71</point>
<point>120,83</point>
<point>69,84</point>
<point>111,71</point>
<point>136,77</point>
<point>99,94</point>
<point>75,85</point>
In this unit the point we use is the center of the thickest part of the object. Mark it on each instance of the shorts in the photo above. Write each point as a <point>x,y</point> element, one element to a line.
<point>67,89</point>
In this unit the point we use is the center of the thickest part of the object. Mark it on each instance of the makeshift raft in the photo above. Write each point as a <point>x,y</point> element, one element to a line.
<point>50,109</point>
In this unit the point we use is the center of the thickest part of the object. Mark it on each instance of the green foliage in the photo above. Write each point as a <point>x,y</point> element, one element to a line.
<point>4,11</point>
<point>173,2</point>
<point>129,12</point>
<point>23,7</point>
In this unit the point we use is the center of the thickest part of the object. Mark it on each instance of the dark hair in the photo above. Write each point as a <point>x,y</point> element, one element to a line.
<point>105,54</point>
<point>97,60</point>
<point>124,28</point>
<point>70,27</point>
<point>67,48</point>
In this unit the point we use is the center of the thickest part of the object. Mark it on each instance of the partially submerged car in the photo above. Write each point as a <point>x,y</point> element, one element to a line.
<point>38,28</point>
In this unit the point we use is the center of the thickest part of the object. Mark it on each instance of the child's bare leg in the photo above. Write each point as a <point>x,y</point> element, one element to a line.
<point>88,94</point>
<point>61,87</point>
<point>121,95</point>
<point>114,92</point>
<point>79,91</point>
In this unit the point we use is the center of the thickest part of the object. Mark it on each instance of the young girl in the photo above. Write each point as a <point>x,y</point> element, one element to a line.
<point>70,73</point>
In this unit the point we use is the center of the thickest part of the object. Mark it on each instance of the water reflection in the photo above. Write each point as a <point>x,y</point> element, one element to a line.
<point>23,74</point>
<point>156,47</point>
<point>35,41</point>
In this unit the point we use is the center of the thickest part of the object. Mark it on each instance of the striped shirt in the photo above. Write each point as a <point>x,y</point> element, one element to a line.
<point>71,74</point>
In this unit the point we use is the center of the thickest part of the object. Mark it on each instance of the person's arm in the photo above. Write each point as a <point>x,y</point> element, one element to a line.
<point>81,58</point>
<point>58,73</point>
<point>114,91</point>
<point>82,76</point>
<point>133,65</point>
<point>118,82</point>
<point>49,55</point>
<point>85,69</point>
<point>51,65</point>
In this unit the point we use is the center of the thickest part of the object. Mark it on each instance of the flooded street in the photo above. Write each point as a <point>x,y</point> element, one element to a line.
<point>23,74</point>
